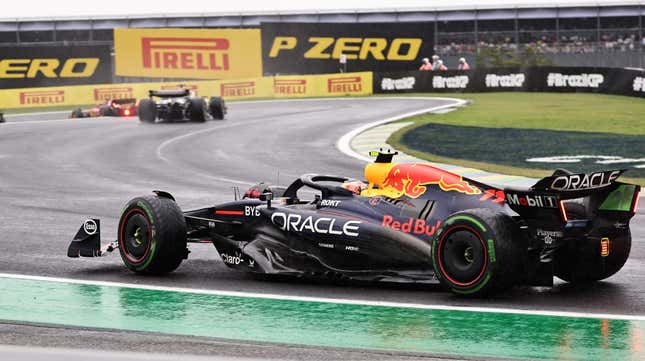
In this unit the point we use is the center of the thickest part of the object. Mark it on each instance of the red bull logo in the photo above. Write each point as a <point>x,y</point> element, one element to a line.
<point>412,226</point>
<point>411,180</point>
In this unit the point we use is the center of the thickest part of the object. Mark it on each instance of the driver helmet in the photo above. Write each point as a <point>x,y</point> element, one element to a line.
<point>355,186</point>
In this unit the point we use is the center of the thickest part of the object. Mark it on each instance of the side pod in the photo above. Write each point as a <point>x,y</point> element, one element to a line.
<point>87,242</point>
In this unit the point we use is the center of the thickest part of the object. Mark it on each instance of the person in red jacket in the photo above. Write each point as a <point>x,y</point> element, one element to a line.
<point>425,65</point>
<point>463,65</point>
<point>439,66</point>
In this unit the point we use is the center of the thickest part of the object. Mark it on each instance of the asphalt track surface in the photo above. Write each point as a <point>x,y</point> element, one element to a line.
<point>56,172</point>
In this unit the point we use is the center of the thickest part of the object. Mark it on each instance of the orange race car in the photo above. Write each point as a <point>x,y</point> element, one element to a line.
<point>110,108</point>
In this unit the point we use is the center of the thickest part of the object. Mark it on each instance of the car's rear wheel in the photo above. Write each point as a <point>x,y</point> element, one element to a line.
<point>216,107</point>
<point>478,252</point>
<point>582,261</point>
<point>197,111</point>
<point>152,235</point>
<point>147,110</point>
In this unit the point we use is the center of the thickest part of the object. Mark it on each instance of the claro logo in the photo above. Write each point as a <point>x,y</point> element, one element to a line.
<point>48,68</point>
<point>290,86</point>
<point>398,49</point>
<point>240,89</point>
<point>347,84</point>
<point>42,97</point>
<point>185,53</point>
<point>101,94</point>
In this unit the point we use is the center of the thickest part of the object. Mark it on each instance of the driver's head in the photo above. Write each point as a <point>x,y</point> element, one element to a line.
<point>356,186</point>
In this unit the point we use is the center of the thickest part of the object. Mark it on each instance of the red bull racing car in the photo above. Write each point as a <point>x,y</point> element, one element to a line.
<point>125,107</point>
<point>406,222</point>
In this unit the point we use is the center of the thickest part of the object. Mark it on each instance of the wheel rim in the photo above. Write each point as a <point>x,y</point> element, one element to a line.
<point>135,236</point>
<point>462,256</point>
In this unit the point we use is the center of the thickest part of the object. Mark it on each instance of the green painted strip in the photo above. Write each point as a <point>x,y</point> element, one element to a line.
<point>457,333</point>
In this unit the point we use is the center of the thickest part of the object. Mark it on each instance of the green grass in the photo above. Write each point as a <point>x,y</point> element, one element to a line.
<point>597,113</point>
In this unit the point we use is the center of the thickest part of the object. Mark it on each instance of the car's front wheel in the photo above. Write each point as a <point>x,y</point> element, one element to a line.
<point>152,235</point>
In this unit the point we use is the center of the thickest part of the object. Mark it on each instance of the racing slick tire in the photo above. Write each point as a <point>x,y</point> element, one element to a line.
<point>197,111</point>
<point>77,113</point>
<point>581,261</point>
<point>152,235</point>
<point>216,107</point>
<point>147,110</point>
<point>478,252</point>
<point>105,111</point>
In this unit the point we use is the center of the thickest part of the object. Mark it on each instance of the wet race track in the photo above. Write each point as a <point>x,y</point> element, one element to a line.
<point>56,172</point>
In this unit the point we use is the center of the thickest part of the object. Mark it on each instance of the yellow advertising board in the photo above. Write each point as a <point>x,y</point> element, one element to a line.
<point>325,85</point>
<point>188,53</point>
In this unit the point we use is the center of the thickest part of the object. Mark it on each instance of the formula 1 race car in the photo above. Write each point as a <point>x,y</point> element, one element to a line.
<point>180,105</point>
<point>125,107</point>
<point>409,223</point>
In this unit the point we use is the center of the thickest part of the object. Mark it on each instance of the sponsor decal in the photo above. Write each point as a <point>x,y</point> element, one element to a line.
<point>549,236</point>
<point>238,89</point>
<point>319,47</point>
<point>292,222</point>
<point>188,53</point>
<point>290,86</point>
<point>494,195</point>
<point>532,200</point>
<point>42,97</point>
<point>374,201</point>
<point>410,179</point>
<point>329,203</point>
<point>90,227</point>
<point>504,81</point>
<point>406,83</point>
<point>578,182</point>
<point>236,259</point>
<point>351,84</point>
<point>326,245</point>
<point>48,68</point>
<point>639,84</point>
<point>192,87</point>
<point>185,53</point>
<point>598,159</point>
<point>107,93</point>
<point>351,248</point>
<point>228,212</point>
<point>413,226</point>
<point>251,211</point>
<point>583,80</point>
<point>450,82</point>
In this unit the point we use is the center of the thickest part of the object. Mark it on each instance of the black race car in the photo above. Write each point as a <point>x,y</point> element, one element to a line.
<point>180,104</point>
<point>409,223</point>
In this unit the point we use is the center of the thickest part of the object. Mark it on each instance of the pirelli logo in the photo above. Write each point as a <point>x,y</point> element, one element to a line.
<point>192,87</point>
<point>185,53</point>
<point>290,86</point>
<point>42,97</point>
<point>101,94</point>
<point>351,84</point>
<point>241,89</point>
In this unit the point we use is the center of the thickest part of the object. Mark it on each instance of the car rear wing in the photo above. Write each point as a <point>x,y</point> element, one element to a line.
<point>599,194</point>
<point>172,93</point>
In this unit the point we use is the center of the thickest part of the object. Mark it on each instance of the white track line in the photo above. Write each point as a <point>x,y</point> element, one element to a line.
<point>343,143</point>
<point>326,300</point>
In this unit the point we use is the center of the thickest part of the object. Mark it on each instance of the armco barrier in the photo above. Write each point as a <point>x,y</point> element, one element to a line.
<point>324,85</point>
<point>629,82</point>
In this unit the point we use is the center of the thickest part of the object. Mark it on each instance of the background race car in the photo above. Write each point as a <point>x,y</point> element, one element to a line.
<point>111,108</point>
<point>180,104</point>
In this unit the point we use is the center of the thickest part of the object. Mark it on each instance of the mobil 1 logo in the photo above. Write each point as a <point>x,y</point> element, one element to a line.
<point>531,200</point>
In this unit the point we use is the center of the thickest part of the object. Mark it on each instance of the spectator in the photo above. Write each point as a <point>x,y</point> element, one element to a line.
<point>425,65</point>
<point>435,59</point>
<point>440,66</point>
<point>463,65</point>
